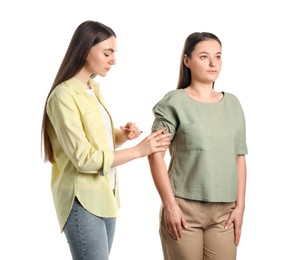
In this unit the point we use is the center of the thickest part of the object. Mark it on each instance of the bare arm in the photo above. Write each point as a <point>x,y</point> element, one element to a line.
<point>173,217</point>
<point>236,216</point>
<point>161,180</point>
<point>241,169</point>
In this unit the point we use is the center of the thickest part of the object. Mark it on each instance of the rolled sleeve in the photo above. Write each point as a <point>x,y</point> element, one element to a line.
<point>108,158</point>
<point>164,117</point>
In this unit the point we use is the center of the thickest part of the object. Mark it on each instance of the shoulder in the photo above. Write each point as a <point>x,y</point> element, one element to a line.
<point>170,103</point>
<point>168,100</point>
<point>67,89</point>
<point>171,96</point>
<point>61,92</point>
<point>231,97</point>
<point>174,93</point>
<point>233,102</point>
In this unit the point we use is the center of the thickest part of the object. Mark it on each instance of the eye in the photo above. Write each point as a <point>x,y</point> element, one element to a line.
<point>218,57</point>
<point>107,53</point>
<point>203,57</point>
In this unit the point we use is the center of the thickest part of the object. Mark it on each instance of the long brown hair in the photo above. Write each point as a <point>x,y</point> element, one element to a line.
<point>86,35</point>
<point>191,42</point>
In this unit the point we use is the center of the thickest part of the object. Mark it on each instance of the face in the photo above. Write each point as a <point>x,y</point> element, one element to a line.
<point>101,57</point>
<point>205,61</point>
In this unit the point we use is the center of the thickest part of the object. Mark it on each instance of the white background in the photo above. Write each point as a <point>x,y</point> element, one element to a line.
<point>256,38</point>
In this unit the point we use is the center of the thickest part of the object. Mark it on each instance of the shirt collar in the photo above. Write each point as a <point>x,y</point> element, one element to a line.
<point>78,86</point>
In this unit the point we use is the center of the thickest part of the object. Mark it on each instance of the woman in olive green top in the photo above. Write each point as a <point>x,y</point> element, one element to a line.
<point>203,190</point>
<point>80,141</point>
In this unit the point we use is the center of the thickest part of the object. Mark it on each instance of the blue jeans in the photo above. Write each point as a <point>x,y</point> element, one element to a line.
<point>89,237</point>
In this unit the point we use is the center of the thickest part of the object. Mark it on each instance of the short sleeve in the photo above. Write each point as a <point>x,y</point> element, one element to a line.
<point>164,116</point>
<point>242,146</point>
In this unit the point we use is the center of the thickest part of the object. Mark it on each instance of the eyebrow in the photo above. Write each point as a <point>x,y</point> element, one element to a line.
<point>109,49</point>
<point>205,52</point>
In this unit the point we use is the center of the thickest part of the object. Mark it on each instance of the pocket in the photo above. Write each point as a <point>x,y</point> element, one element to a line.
<point>224,210</point>
<point>196,138</point>
<point>92,121</point>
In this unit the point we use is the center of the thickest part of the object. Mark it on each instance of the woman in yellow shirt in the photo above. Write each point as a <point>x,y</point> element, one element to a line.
<point>80,141</point>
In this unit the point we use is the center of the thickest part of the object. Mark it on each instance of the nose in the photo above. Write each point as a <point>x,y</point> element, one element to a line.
<point>113,60</point>
<point>212,63</point>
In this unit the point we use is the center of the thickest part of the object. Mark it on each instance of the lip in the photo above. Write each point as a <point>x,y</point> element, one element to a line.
<point>212,71</point>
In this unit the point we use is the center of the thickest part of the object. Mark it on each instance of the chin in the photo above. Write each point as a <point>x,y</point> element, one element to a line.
<point>102,74</point>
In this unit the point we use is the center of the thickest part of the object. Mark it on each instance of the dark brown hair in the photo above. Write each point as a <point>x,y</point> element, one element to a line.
<point>86,35</point>
<point>191,42</point>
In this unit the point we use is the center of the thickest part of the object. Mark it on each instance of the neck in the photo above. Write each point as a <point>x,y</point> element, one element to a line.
<point>204,93</point>
<point>83,77</point>
<point>200,90</point>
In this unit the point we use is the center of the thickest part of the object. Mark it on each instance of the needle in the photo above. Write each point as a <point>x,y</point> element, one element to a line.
<point>133,130</point>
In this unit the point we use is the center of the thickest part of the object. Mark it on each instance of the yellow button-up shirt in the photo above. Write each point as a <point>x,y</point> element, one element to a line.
<point>81,151</point>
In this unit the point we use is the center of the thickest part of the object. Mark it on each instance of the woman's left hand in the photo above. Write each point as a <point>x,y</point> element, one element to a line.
<point>130,131</point>
<point>235,217</point>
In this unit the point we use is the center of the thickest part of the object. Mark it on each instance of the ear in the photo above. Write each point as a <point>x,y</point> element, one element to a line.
<point>186,61</point>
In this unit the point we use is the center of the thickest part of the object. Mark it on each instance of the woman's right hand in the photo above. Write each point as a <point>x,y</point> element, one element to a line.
<point>174,221</point>
<point>155,142</point>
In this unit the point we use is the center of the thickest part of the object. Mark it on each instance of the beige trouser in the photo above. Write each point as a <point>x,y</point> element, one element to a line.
<point>205,237</point>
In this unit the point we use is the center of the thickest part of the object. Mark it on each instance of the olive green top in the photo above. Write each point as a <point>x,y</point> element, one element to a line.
<point>207,137</point>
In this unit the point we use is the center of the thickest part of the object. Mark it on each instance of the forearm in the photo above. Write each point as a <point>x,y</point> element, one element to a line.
<point>241,171</point>
<point>126,155</point>
<point>161,180</point>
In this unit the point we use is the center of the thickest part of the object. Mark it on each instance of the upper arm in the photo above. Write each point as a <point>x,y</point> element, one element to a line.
<point>165,116</point>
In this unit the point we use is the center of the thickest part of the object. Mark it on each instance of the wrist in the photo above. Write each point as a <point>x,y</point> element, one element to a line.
<point>169,205</point>
<point>135,152</point>
<point>240,205</point>
<point>123,138</point>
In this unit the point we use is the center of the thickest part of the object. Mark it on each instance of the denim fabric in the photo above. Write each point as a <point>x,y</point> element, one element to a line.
<point>89,237</point>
